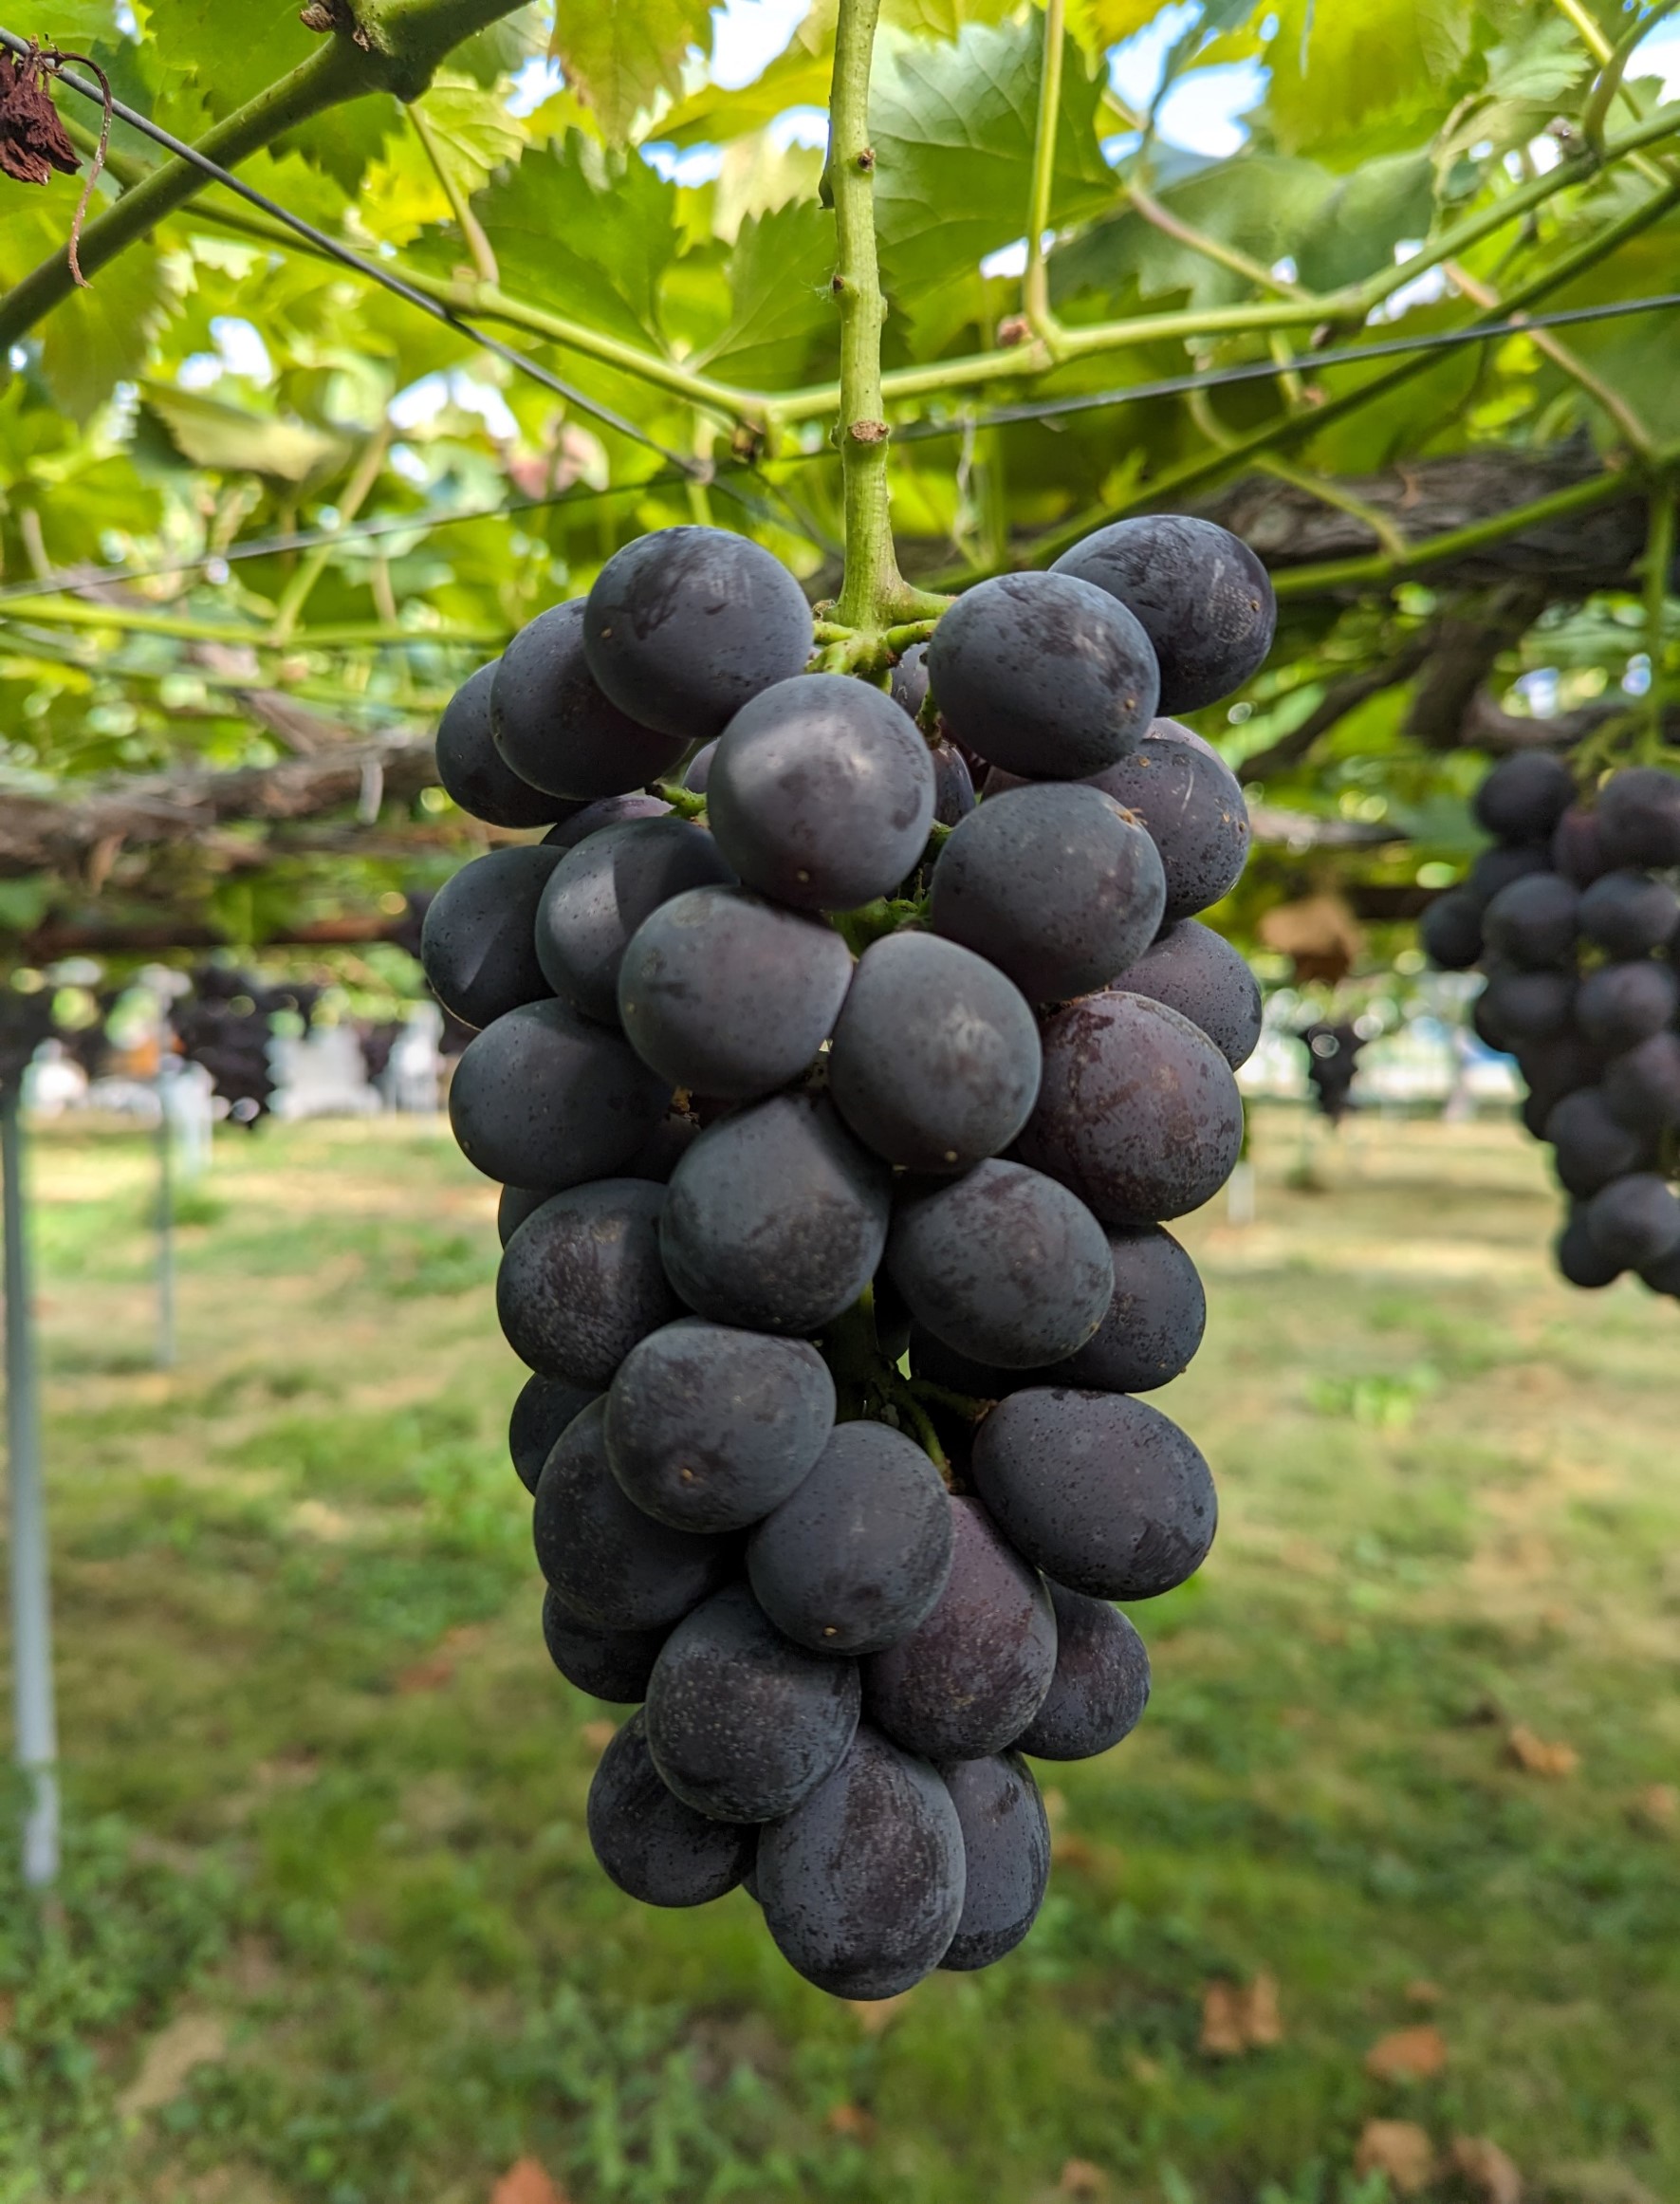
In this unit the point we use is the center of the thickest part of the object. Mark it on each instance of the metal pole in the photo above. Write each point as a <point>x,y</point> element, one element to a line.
<point>31,1618</point>
<point>165,1230</point>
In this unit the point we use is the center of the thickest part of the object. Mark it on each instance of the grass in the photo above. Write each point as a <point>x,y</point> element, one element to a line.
<point>323,1793</point>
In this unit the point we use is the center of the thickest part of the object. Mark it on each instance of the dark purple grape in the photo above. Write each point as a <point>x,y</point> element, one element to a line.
<point>1203,598</point>
<point>1635,1221</point>
<point>728,995</point>
<point>1663,1276</point>
<point>664,1148</point>
<point>544,1409</point>
<point>743,1722</point>
<point>1193,805</point>
<point>1043,673</point>
<point>1533,921</point>
<point>953,785</point>
<point>1561,1066</point>
<point>973,1676</point>
<point>477,948</point>
<point>1642,1087</point>
<point>543,1098</point>
<point>475,774</point>
<point>686,626</point>
<point>601,893</point>
<point>1154,1323</point>
<point>651,1844</point>
<point>935,1059</point>
<point>710,1428</point>
<point>581,1281</point>
<point>1102,1492</point>
<point>698,769</point>
<point>1621,1004</point>
<point>1100,1687</point>
<point>518,1202</point>
<point>1005,1265</point>
<point>821,793</point>
<point>596,818</point>
<point>553,726</point>
<point>1578,849</point>
<point>613,1665</point>
<point>1138,1112</point>
<point>1592,1147</point>
<point>1006,1857</point>
<point>1198,973</point>
<point>776,1218</point>
<point>1629,913</point>
<point>1054,885</point>
<point>862,1884</point>
<point>909,680</point>
<point>1639,817</point>
<point>857,1555</point>
<point>1525,1007</point>
<point>1497,868</point>
<point>1450,931</point>
<point>1579,1258</point>
<point>610,1565</point>
<point>1524,796</point>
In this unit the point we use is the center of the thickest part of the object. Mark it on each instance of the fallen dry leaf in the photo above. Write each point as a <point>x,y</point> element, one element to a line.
<point>853,2122</point>
<point>1079,2178</point>
<point>1239,2017</point>
<point>599,1736</point>
<point>527,2181</point>
<point>1070,1851</point>
<point>1490,2173</point>
<point>437,1668</point>
<point>875,2015</point>
<point>1535,1756</point>
<point>1400,2149</point>
<point>196,2039</point>
<point>1422,1993</point>
<point>1657,1808</point>
<point>1410,2054</point>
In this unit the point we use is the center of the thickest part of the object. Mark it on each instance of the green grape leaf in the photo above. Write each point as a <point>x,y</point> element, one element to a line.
<point>1340,73</point>
<point>210,432</point>
<point>99,335</point>
<point>1355,231</point>
<point>223,55</point>
<point>73,25</point>
<point>620,56</point>
<point>1257,203</point>
<point>779,301</point>
<point>952,130</point>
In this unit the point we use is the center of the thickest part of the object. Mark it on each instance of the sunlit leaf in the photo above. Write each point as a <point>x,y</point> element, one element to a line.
<point>620,57</point>
<point>779,295</point>
<point>212,433</point>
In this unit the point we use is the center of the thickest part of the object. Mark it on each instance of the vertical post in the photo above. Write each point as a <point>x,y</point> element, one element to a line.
<point>165,1226</point>
<point>31,1621</point>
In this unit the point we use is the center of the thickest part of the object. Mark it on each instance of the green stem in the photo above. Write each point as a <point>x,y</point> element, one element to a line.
<point>908,1405</point>
<point>1613,71</point>
<point>872,593</point>
<point>685,802</point>
<point>1343,500</point>
<point>1659,560</point>
<point>297,592</point>
<point>1228,256</point>
<point>471,229</point>
<point>1035,283</point>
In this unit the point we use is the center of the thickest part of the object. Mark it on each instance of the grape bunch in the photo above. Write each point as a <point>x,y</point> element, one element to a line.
<point>227,1024</point>
<point>1572,914</point>
<point>839,1116</point>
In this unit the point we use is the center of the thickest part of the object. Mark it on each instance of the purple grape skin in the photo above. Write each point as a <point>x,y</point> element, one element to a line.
<point>935,1059</point>
<point>1528,1007</point>
<point>1497,868</point>
<point>857,1554</point>
<point>1006,1857</point>
<point>1621,1004</point>
<point>1138,1112</point>
<point>1054,885</point>
<point>862,1884</point>
<point>613,1665</point>
<point>581,1281</point>
<point>686,624</point>
<point>710,1428</point>
<point>543,1098</point>
<point>596,818</point>
<point>821,793</point>
<point>730,996</point>
<point>1524,796</point>
<point>1100,1687</point>
<point>971,1677</point>
<point>1450,931</point>
<point>953,785</point>
<point>1591,1147</point>
<point>475,774</point>
<point>1639,817</point>
<point>610,1565</point>
<point>908,685</point>
<point>1192,806</point>
<point>1580,1259</point>
<point>652,1847</point>
<point>1642,1085</point>
<point>1534,922</point>
<point>1005,1265</point>
<point>776,1218</point>
<point>1102,1492</point>
<point>1578,848</point>
<point>603,890</point>
<point>476,945</point>
<point>698,769</point>
<point>1202,596</point>
<point>1043,674</point>
<point>553,726</point>
<point>1197,972</point>
<point>518,1202</point>
<point>1635,1220</point>
<point>544,1409</point>
<point>1629,913</point>
<point>743,1722</point>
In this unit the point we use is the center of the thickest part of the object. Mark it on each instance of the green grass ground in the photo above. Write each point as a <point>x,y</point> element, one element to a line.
<point>330,1932</point>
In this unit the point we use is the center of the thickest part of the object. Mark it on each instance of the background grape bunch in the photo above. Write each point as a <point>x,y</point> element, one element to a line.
<point>838,1114</point>
<point>1573,916</point>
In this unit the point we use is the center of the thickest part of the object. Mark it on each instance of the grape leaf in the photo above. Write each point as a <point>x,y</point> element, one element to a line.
<point>223,55</point>
<point>779,299</point>
<point>99,335</point>
<point>210,432</point>
<point>1259,203</point>
<point>952,129</point>
<point>620,56</point>
<point>1339,72</point>
<point>71,24</point>
<point>1354,232</point>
